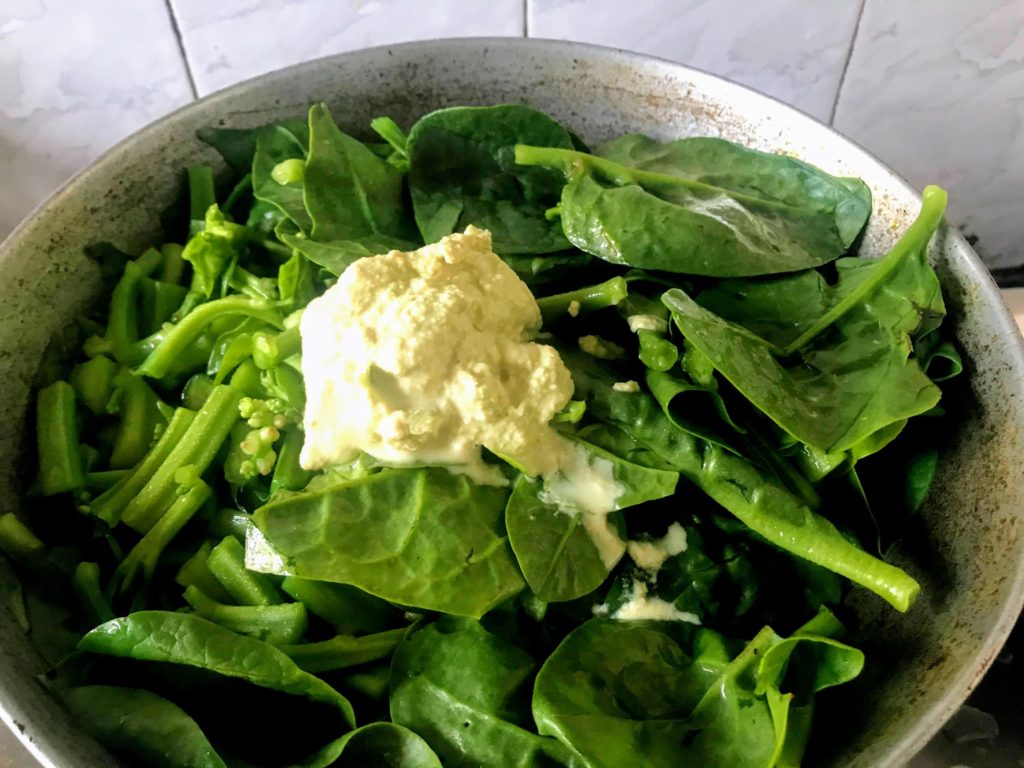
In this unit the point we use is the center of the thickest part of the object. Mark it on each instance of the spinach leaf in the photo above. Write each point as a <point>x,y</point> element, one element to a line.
<point>612,691</point>
<point>703,206</point>
<point>466,691</point>
<point>349,192</point>
<point>207,669</point>
<point>236,145</point>
<point>420,537</point>
<point>536,270</point>
<point>141,725</point>
<point>211,251</point>
<point>695,408</point>
<point>566,551</point>
<point>778,309</point>
<point>462,171</point>
<point>276,144</point>
<point>742,488</point>
<point>338,255</point>
<point>711,578</point>
<point>382,745</point>
<point>857,378</point>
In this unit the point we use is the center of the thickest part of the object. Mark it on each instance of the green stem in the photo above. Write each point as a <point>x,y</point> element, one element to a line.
<point>344,651</point>
<point>914,240</point>
<point>86,581</point>
<point>60,458</point>
<point>123,320</point>
<point>17,540</point>
<point>388,130</point>
<point>139,419</point>
<point>243,186</point>
<point>246,379</point>
<point>238,350</point>
<point>193,493</point>
<point>656,352</point>
<point>201,195</point>
<point>173,267</point>
<point>180,337</point>
<point>111,504</point>
<point>101,481</point>
<point>600,296</point>
<point>289,475</point>
<point>158,302</point>
<point>373,683</point>
<point>227,564</point>
<point>197,447</point>
<point>283,624</point>
<point>273,349</point>
<point>245,282</point>
<point>573,164</point>
<point>196,573</point>
<point>346,608</point>
<point>197,391</point>
<point>93,381</point>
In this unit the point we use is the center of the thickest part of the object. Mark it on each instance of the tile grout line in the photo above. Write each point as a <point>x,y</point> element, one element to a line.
<point>181,48</point>
<point>846,64</point>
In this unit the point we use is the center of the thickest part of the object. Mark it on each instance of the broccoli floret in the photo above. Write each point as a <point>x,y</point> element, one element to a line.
<point>271,412</point>
<point>255,455</point>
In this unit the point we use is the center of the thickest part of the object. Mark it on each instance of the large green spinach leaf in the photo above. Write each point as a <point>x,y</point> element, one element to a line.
<point>703,206</point>
<point>853,375</point>
<point>421,537</point>
<point>142,725</point>
<point>565,550</point>
<point>382,745</point>
<point>462,171</point>
<point>337,256</point>
<point>744,489</point>
<point>348,191</point>
<point>612,691</point>
<point>466,691</point>
<point>207,670</point>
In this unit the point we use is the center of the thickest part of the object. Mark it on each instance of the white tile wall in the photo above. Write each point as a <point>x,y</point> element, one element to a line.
<point>231,40</point>
<point>794,50</point>
<point>936,89</point>
<point>76,77</point>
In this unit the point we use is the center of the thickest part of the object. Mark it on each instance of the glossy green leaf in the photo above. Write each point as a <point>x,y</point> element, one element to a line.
<point>420,537</point>
<point>843,387</point>
<point>462,171</point>
<point>677,696</point>
<point>704,206</point>
<point>141,725</point>
<point>564,551</point>
<point>745,490</point>
<point>466,691</point>
<point>208,670</point>
<point>349,192</point>
<point>275,144</point>
<point>337,256</point>
<point>381,745</point>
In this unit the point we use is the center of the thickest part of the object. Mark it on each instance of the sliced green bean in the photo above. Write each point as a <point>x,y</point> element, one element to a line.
<point>60,456</point>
